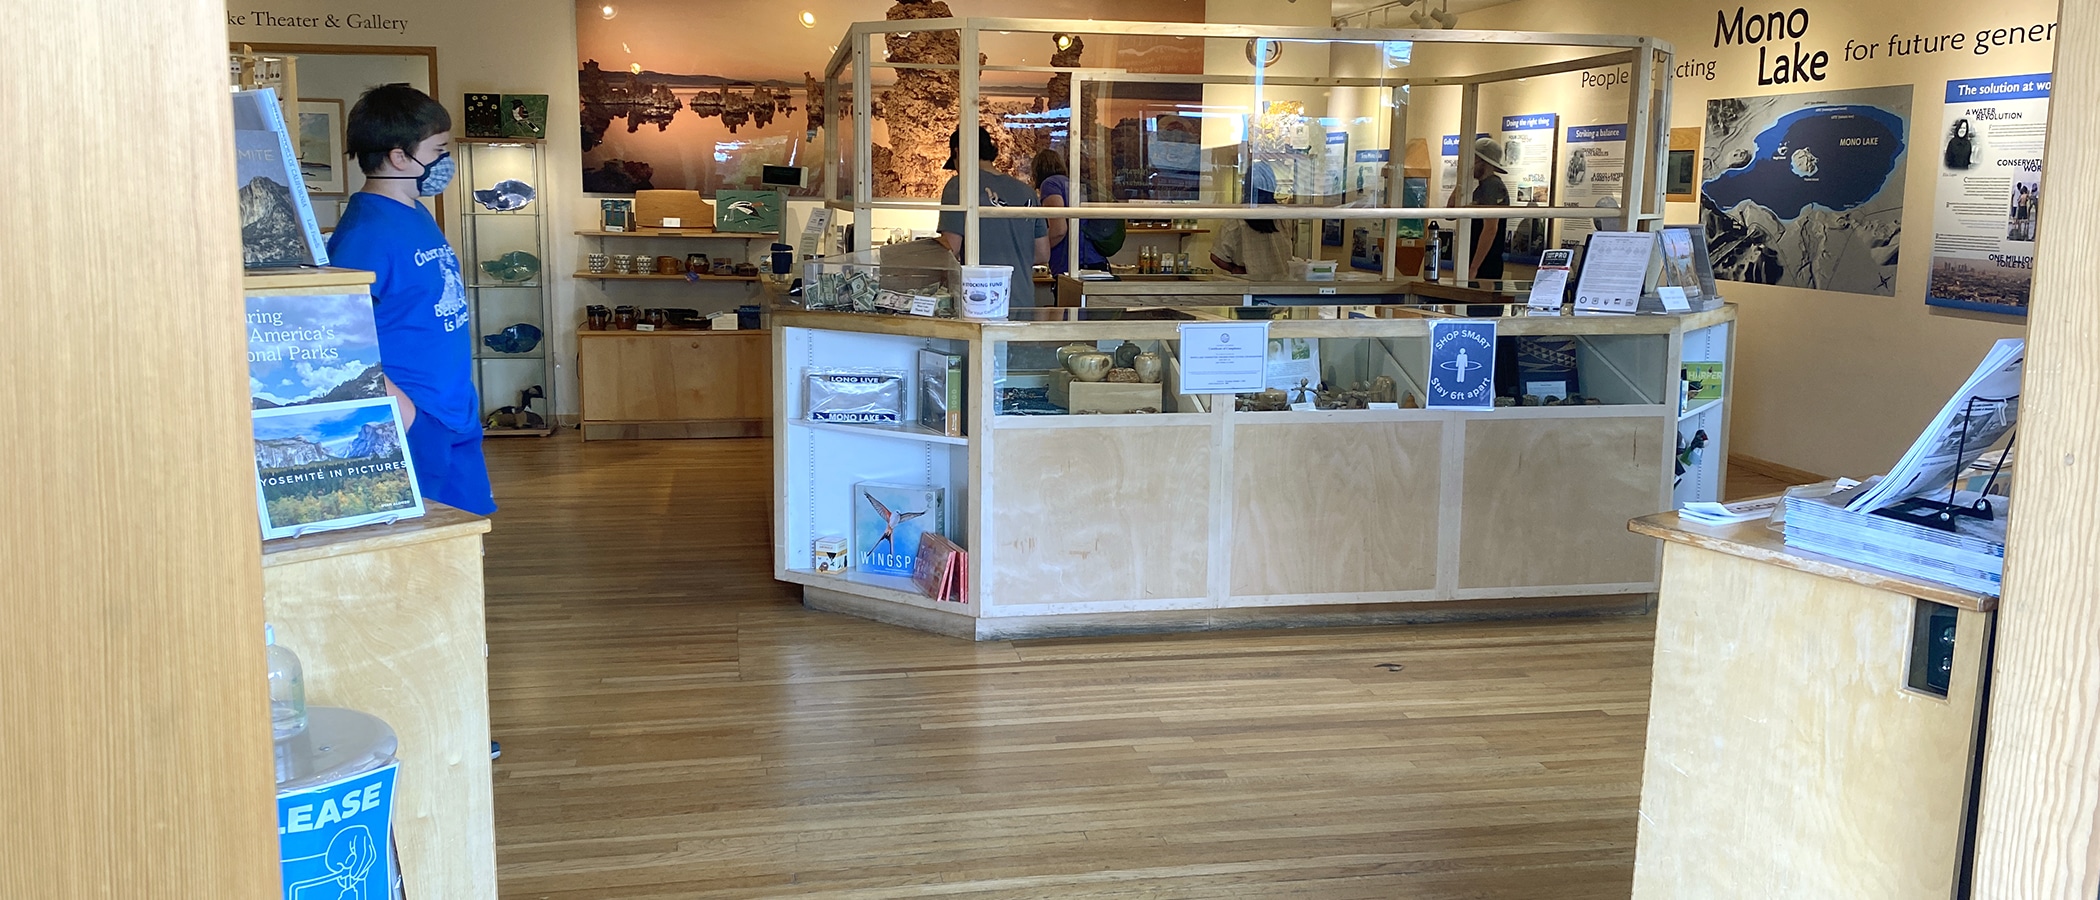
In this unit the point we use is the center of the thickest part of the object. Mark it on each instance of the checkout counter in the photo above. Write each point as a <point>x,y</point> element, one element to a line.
<point>1210,290</point>
<point>1189,511</point>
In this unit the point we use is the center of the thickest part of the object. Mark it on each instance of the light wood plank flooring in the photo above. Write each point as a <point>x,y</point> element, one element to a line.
<point>676,725</point>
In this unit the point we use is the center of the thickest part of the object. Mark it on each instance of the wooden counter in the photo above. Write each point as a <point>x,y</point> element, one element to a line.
<point>1199,516</point>
<point>388,620</point>
<point>640,384</point>
<point>1789,752</point>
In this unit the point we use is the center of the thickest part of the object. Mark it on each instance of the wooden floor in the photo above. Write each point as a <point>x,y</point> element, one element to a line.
<point>676,725</point>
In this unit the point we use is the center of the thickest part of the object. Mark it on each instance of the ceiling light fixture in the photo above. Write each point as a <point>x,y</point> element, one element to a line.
<point>809,19</point>
<point>1445,18</point>
<point>608,11</point>
<point>1063,41</point>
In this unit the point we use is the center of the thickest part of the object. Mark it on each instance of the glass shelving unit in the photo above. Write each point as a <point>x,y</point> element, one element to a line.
<point>505,269</point>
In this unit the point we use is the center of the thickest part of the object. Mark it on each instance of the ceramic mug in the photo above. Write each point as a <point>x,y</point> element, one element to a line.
<point>1090,366</point>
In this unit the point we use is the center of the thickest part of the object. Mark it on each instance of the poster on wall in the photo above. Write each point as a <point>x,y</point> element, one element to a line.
<point>1528,144</point>
<point>1592,168</point>
<point>1806,190</point>
<point>1988,192</point>
<point>1367,176</point>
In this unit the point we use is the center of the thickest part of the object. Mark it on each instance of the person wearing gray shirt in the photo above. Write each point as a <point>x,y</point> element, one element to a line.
<point>1020,243</point>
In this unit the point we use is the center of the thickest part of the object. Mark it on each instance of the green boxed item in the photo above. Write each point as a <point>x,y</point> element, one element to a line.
<point>749,211</point>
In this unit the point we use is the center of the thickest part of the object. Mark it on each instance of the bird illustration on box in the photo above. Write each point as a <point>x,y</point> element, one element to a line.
<point>890,521</point>
<point>747,208</point>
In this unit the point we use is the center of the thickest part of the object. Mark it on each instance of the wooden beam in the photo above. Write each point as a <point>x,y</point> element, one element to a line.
<point>134,713</point>
<point>2041,782</point>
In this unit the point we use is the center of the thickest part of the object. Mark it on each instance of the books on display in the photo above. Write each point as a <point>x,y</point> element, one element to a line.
<point>941,404</point>
<point>324,466</point>
<point>942,569</point>
<point>277,217</point>
<point>329,450</point>
<point>888,520</point>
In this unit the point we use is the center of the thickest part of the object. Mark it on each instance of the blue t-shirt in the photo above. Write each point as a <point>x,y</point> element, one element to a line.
<point>420,303</point>
<point>1060,186</point>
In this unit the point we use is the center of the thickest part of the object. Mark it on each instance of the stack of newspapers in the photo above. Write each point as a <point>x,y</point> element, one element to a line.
<point>1971,557</point>
<point>1884,522</point>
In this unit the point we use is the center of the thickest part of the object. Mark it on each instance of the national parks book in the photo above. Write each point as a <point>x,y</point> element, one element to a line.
<point>312,348</point>
<point>277,219</point>
<point>887,522</point>
<point>325,466</point>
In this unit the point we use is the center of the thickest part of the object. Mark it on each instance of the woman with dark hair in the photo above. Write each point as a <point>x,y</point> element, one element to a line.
<point>1961,145</point>
<point>1255,248</point>
<point>1054,188</point>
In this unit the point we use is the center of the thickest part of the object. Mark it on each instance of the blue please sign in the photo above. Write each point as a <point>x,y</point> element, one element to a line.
<point>1462,365</point>
<point>333,839</point>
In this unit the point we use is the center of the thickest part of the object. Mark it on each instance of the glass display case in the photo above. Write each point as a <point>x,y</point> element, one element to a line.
<point>503,242</point>
<point>1086,501</point>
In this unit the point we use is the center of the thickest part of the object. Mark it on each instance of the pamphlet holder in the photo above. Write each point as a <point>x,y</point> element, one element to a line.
<point>1940,514</point>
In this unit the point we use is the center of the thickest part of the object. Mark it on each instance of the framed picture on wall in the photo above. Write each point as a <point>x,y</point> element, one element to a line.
<point>1681,174</point>
<point>321,160</point>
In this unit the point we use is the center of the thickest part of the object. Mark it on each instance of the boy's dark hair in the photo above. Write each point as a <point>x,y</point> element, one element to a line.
<point>388,118</point>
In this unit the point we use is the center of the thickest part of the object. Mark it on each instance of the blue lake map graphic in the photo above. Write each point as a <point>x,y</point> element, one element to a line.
<point>1834,157</point>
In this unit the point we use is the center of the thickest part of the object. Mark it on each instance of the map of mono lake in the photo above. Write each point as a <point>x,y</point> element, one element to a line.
<point>1835,157</point>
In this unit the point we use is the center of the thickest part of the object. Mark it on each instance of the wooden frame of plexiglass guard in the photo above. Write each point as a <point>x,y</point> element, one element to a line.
<point>1448,61</point>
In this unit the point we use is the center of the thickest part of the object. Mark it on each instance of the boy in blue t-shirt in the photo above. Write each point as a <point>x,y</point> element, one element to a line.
<point>401,139</point>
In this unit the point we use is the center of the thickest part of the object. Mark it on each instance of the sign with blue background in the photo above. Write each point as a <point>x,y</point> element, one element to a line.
<point>333,839</point>
<point>2010,87</point>
<point>1543,122</point>
<point>1462,364</point>
<point>1583,134</point>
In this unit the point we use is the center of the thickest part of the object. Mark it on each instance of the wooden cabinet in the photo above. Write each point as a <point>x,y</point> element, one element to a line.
<point>1796,746</point>
<point>388,620</point>
<point>639,384</point>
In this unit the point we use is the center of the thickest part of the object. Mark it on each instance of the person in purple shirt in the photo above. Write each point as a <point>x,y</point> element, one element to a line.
<point>1054,185</point>
<point>401,139</point>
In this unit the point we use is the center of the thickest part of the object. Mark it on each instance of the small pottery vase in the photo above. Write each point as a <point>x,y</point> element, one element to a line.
<point>1126,352</point>
<point>1384,390</point>
<point>1149,367</point>
<point>1090,366</point>
<point>1067,351</point>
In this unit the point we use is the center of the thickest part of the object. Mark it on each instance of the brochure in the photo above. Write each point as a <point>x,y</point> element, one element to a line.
<point>1974,419</point>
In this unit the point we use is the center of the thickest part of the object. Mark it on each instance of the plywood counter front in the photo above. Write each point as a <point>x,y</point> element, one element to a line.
<point>388,620</point>
<point>639,384</point>
<point>1203,517</point>
<point>1789,752</point>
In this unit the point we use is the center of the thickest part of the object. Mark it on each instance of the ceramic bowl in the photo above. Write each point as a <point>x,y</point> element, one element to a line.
<point>1091,366</point>
<point>1149,367</point>
<point>513,267</point>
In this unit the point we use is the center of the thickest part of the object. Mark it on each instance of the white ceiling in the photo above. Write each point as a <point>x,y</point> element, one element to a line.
<point>1399,13</point>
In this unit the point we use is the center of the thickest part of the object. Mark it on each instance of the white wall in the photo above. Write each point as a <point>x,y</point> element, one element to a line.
<point>1833,383</point>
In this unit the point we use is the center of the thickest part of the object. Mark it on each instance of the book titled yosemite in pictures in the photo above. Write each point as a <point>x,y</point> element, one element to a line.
<point>332,465</point>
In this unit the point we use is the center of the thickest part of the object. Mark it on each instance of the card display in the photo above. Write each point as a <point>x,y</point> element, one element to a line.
<point>888,520</point>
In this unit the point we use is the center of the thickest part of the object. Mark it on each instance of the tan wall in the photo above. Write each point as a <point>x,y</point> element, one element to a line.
<point>1829,382</point>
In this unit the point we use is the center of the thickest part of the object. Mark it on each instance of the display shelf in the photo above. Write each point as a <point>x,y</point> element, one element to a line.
<point>612,276</point>
<point>1700,410</point>
<point>895,588</point>
<point>677,233</point>
<point>501,379</point>
<point>900,432</point>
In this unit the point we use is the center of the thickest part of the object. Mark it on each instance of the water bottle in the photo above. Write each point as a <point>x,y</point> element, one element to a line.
<point>287,689</point>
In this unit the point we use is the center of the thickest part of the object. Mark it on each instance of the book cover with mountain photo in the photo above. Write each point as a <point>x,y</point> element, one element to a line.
<point>325,466</point>
<point>312,348</point>
<point>277,219</point>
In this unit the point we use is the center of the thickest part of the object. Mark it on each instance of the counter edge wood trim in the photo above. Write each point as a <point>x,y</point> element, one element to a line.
<point>1753,541</point>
